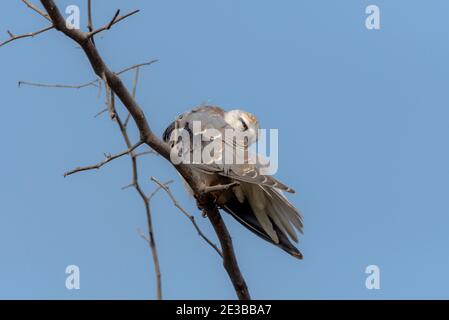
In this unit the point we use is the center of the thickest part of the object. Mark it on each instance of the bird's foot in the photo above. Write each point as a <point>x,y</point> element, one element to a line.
<point>206,202</point>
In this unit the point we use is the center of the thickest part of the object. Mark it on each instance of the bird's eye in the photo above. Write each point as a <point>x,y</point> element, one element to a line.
<point>245,126</point>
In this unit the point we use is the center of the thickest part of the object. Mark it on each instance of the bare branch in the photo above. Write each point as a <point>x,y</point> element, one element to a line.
<point>113,20</point>
<point>27,35</point>
<point>110,99</point>
<point>93,83</point>
<point>229,259</point>
<point>108,159</point>
<point>135,82</point>
<point>135,183</point>
<point>101,112</point>
<point>159,188</point>
<point>132,184</point>
<point>127,119</point>
<point>152,243</point>
<point>187,214</point>
<point>143,153</point>
<point>90,26</point>
<point>142,235</point>
<point>99,90</point>
<point>116,19</point>
<point>39,11</point>
<point>137,66</point>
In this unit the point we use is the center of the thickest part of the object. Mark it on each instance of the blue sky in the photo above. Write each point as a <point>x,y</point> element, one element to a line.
<point>363,122</point>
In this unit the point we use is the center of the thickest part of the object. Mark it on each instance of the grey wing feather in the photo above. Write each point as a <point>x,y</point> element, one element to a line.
<point>250,173</point>
<point>272,210</point>
<point>258,203</point>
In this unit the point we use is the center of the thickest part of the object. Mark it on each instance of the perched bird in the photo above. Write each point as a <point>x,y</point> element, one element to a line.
<point>253,199</point>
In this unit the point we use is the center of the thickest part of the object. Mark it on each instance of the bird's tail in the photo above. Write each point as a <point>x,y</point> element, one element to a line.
<point>243,213</point>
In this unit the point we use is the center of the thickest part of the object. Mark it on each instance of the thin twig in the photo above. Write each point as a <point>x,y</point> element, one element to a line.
<point>101,112</point>
<point>137,66</point>
<point>132,184</point>
<point>127,119</point>
<point>152,194</point>
<point>135,183</point>
<point>108,159</point>
<point>143,153</point>
<point>110,99</point>
<point>113,19</point>
<point>188,215</point>
<point>90,26</point>
<point>27,35</point>
<point>135,82</point>
<point>116,19</point>
<point>39,11</point>
<point>95,83</point>
<point>99,90</point>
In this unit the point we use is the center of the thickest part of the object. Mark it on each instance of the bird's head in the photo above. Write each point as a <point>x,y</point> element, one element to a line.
<point>245,122</point>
